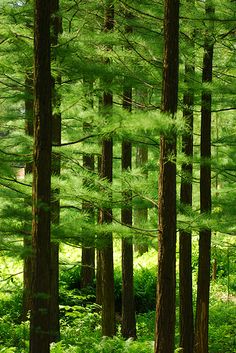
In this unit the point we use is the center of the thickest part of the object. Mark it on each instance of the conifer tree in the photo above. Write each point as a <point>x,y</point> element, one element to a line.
<point>105,216</point>
<point>165,311</point>
<point>40,310</point>
<point>88,246</point>
<point>202,309</point>
<point>141,212</point>
<point>27,270</point>
<point>128,328</point>
<point>56,29</point>
<point>185,236</point>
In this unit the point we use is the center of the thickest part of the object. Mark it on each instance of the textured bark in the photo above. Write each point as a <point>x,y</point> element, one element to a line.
<point>99,278</point>
<point>128,328</point>
<point>54,296</point>
<point>29,130</point>
<point>56,29</point>
<point>88,266</point>
<point>98,253</point>
<point>202,310</point>
<point>27,280</point>
<point>40,311</point>
<point>106,253</point>
<point>88,249</point>
<point>166,287</point>
<point>185,237</point>
<point>141,214</point>
<point>107,268</point>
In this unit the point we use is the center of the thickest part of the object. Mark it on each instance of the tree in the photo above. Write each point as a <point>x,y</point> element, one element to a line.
<point>41,194</point>
<point>141,212</point>
<point>105,216</point>
<point>165,311</point>
<point>88,246</point>
<point>56,29</point>
<point>128,327</point>
<point>27,279</point>
<point>185,236</point>
<point>202,309</point>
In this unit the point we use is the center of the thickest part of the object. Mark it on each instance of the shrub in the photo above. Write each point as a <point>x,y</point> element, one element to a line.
<point>144,289</point>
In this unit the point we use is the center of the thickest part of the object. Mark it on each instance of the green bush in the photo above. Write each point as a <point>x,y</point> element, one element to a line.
<point>12,335</point>
<point>104,345</point>
<point>222,328</point>
<point>11,305</point>
<point>144,289</point>
<point>145,283</point>
<point>70,278</point>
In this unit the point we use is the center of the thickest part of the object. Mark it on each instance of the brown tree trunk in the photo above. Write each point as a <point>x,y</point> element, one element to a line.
<point>185,237</point>
<point>105,216</point>
<point>88,249</point>
<point>128,327</point>
<point>141,214</point>
<point>56,29</point>
<point>40,311</point>
<point>202,310</point>
<point>99,277</point>
<point>166,287</point>
<point>106,253</point>
<point>98,253</point>
<point>29,128</point>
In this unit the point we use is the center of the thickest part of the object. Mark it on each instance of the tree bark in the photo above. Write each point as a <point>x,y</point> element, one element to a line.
<point>88,249</point>
<point>128,327</point>
<point>105,216</point>
<point>185,237</point>
<point>27,271</point>
<point>202,309</point>
<point>166,287</point>
<point>98,253</point>
<point>40,311</point>
<point>141,214</point>
<point>56,29</point>
<point>106,253</point>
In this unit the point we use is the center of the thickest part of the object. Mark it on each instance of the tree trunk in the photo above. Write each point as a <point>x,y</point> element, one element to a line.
<point>56,29</point>
<point>40,311</point>
<point>88,249</point>
<point>99,277</point>
<point>106,252</point>
<point>29,128</point>
<point>141,214</point>
<point>128,327</point>
<point>105,216</point>
<point>166,287</point>
<point>98,252</point>
<point>202,310</point>
<point>185,237</point>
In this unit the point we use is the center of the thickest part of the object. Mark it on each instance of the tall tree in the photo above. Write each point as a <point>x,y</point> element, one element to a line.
<point>185,236</point>
<point>202,309</point>
<point>166,287</point>
<point>98,252</point>
<point>141,158</point>
<point>56,29</point>
<point>88,248</point>
<point>128,327</point>
<point>141,213</point>
<point>107,273</point>
<point>41,194</point>
<point>29,129</point>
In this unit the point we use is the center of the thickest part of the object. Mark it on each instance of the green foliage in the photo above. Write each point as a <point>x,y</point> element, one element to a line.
<point>145,283</point>
<point>222,327</point>
<point>11,304</point>
<point>144,289</point>
<point>13,335</point>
